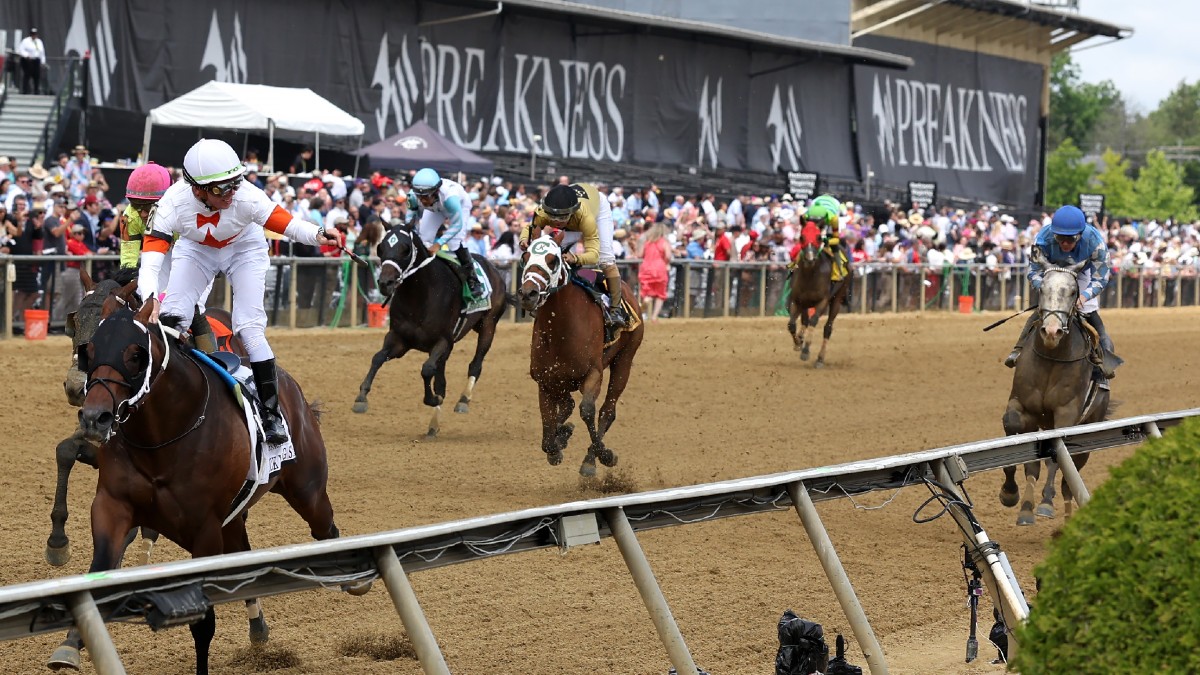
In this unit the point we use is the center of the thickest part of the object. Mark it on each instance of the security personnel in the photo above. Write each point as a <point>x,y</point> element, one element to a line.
<point>583,213</point>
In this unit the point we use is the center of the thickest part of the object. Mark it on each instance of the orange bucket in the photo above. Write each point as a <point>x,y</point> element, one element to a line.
<point>37,324</point>
<point>377,315</point>
<point>966,303</point>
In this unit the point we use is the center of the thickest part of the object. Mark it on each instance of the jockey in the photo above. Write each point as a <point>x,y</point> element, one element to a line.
<point>824,211</point>
<point>584,213</point>
<point>434,202</point>
<point>146,186</point>
<point>1069,240</point>
<point>219,222</point>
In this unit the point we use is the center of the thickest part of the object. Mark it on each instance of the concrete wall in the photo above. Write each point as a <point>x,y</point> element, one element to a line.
<point>820,20</point>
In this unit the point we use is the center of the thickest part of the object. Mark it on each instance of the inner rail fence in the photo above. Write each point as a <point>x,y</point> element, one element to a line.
<point>308,292</point>
<point>92,600</point>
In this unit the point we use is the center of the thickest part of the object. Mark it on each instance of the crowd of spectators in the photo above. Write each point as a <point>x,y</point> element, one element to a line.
<point>67,210</point>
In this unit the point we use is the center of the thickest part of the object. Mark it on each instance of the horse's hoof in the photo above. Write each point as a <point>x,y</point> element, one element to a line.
<point>607,457</point>
<point>796,348</point>
<point>64,657</point>
<point>804,354</point>
<point>588,468</point>
<point>1008,498</point>
<point>462,407</point>
<point>259,631</point>
<point>432,433</point>
<point>360,407</point>
<point>58,556</point>
<point>357,589</point>
<point>819,363</point>
<point>555,458</point>
<point>1045,510</point>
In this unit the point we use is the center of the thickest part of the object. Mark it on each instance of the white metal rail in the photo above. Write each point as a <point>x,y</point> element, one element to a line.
<point>56,604</point>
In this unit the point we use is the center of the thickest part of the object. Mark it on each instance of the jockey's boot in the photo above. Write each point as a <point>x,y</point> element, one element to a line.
<point>615,315</point>
<point>268,394</point>
<point>466,271</point>
<point>202,334</point>
<point>1011,361</point>
<point>1106,343</point>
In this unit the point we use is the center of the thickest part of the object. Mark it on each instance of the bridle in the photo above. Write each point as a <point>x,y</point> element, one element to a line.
<point>1064,315</point>
<point>539,250</point>
<point>123,409</point>
<point>412,267</point>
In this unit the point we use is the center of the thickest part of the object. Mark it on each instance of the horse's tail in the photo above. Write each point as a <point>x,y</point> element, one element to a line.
<point>317,407</point>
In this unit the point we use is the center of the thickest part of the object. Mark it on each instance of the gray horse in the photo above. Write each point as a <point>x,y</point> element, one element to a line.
<point>1053,387</point>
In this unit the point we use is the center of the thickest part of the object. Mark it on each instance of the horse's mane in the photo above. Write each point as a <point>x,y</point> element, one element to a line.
<point>126,275</point>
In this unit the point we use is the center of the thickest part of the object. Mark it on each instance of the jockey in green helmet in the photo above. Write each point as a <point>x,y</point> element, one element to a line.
<point>824,211</point>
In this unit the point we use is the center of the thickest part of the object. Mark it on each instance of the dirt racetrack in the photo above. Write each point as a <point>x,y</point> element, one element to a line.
<point>708,400</point>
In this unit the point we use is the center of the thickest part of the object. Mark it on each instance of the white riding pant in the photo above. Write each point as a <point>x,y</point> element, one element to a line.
<point>164,278</point>
<point>604,225</point>
<point>428,228</point>
<point>245,263</point>
<point>1085,278</point>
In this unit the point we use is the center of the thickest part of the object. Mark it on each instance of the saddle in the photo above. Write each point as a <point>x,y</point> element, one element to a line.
<point>596,287</point>
<point>471,303</point>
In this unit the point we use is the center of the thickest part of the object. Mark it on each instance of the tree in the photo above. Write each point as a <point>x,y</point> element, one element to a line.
<point>1115,183</point>
<point>1178,116</point>
<point>1075,106</point>
<point>1066,175</point>
<point>1159,191</point>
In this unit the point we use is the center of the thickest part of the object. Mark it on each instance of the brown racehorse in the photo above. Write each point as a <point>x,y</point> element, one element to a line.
<point>568,353</point>
<point>811,288</point>
<point>1052,388</point>
<point>80,326</point>
<point>175,451</point>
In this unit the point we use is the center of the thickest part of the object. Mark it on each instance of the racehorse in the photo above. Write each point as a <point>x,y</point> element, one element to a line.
<point>80,326</point>
<point>812,289</point>
<point>427,315</point>
<point>1052,388</point>
<point>175,451</point>
<point>568,354</point>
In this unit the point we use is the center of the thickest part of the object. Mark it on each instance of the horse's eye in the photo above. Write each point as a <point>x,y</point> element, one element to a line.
<point>552,261</point>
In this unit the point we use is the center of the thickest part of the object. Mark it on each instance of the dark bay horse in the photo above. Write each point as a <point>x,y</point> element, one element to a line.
<point>426,315</point>
<point>80,326</point>
<point>1052,388</point>
<point>567,354</point>
<point>811,288</point>
<point>174,452</point>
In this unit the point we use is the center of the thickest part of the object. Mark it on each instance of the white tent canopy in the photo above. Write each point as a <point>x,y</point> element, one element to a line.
<point>254,107</point>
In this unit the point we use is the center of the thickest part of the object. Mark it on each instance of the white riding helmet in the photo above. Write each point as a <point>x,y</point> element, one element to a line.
<point>211,160</point>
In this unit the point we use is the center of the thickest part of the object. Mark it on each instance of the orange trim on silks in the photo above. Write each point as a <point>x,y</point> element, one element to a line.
<point>221,332</point>
<point>278,221</point>
<point>155,245</point>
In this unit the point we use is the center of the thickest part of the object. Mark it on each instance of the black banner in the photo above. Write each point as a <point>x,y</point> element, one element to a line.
<point>1092,205</point>
<point>801,185</point>
<point>968,121</point>
<point>921,195</point>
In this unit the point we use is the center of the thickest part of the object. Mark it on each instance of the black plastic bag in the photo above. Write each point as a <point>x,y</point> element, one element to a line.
<point>802,648</point>
<point>838,664</point>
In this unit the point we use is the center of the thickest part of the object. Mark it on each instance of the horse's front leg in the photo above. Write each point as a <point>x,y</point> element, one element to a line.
<point>555,407</point>
<point>393,348</point>
<point>433,372</point>
<point>487,333</point>
<point>834,308</point>
<point>1016,421</point>
<point>794,311</point>
<point>1046,508</point>
<point>58,545</point>
<point>111,520</point>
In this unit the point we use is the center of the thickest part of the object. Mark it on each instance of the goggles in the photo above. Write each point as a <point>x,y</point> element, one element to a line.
<point>427,191</point>
<point>1067,238</point>
<point>222,189</point>
<point>142,204</point>
<point>559,214</point>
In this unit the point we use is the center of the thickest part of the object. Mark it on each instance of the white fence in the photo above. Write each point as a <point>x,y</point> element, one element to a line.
<point>56,604</point>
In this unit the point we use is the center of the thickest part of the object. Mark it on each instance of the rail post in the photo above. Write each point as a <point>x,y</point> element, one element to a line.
<point>95,635</point>
<point>405,601</point>
<point>1070,473</point>
<point>647,585</point>
<point>293,292</point>
<point>842,587</point>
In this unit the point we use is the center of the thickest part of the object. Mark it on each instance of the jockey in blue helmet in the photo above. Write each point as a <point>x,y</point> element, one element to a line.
<point>435,202</point>
<point>1068,241</point>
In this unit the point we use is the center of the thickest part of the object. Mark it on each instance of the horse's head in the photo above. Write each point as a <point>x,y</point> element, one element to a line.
<point>399,253</point>
<point>1056,304</point>
<point>810,242</point>
<point>81,324</point>
<point>543,270</point>
<point>116,363</point>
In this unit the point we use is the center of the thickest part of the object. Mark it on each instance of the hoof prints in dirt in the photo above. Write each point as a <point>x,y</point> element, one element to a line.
<point>264,658</point>
<point>378,647</point>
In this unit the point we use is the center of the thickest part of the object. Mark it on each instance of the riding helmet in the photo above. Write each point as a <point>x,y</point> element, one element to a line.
<point>1068,221</point>
<point>148,182</point>
<point>560,201</point>
<point>426,182</point>
<point>211,160</point>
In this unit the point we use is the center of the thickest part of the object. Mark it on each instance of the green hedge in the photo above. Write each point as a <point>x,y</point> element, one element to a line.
<point>1121,585</point>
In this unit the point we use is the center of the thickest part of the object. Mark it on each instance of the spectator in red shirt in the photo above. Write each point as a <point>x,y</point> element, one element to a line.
<point>722,244</point>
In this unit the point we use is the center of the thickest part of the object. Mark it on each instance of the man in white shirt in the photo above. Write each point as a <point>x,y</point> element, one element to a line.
<point>33,57</point>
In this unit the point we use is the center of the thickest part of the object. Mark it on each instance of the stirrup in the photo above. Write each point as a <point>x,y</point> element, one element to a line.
<point>273,429</point>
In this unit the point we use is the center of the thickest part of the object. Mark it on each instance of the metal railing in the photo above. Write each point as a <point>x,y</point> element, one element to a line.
<point>332,292</point>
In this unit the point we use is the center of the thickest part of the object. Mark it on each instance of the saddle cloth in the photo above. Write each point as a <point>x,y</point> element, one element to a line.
<point>841,266</point>
<point>471,304</point>
<point>594,284</point>
<point>265,460</point>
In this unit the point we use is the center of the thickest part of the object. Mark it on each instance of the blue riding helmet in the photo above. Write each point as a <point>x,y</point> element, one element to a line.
<point>426,182</point>
<point>1068,221</point>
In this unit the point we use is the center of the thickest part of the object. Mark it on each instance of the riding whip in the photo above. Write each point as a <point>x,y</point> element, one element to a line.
<point>355,257</point>
<point>1011,317</point>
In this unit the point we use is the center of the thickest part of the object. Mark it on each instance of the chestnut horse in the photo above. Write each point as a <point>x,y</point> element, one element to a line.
<point>1052,388</point>
<point>426,315</point>
<point>811,288</point>
<point>568,354</point>
<point>175,451</point>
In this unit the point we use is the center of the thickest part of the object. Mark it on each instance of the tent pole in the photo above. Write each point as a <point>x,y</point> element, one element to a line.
<point>146,140</point>
<point>271,144</point>
<point>245,144</point>
<point>318,158</point>
<point>357,156</point>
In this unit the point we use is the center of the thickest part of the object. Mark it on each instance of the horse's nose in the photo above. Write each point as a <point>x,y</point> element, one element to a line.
<point>528,297</point>
<point>95,424</point>
<point>1052,331</point>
